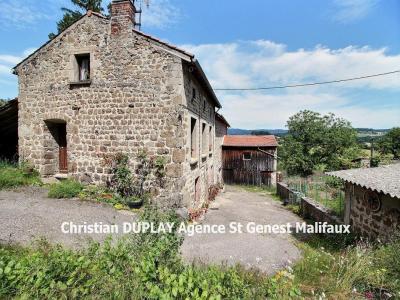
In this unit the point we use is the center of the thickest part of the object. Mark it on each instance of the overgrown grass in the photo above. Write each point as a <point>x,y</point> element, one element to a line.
<point>65,189</point>
<point>356,271</point>
<point>264,190</point>
<point>14,175</point>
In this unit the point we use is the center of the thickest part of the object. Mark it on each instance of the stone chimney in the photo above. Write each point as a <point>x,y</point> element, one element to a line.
<point>122,16</point>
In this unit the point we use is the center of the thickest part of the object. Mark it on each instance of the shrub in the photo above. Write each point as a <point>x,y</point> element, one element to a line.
<point>14,175</point>
<point>65,189</point>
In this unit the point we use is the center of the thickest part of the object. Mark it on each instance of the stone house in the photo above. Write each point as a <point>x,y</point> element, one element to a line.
<point>372,199</point>
<point>102,87</point>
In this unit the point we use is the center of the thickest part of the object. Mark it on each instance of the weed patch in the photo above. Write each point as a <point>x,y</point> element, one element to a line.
<point>14,175</point>
<point>65,189</point>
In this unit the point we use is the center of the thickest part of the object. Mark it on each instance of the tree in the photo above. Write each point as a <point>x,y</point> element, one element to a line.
<point>71,16</point>
<point>318,142</point>
<point>390,143</point>
<point>260,132</point>
<point>3,102</point>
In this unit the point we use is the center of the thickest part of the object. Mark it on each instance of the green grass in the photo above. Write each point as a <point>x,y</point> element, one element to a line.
<point>264,190</point>
<point>14,175</point>
<point>65,189</point>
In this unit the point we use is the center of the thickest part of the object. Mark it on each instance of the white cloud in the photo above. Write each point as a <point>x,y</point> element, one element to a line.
<point>7,62</point>
<point>265,63</point>
<point>348,11</point>
<point>160,14</point>
<point>18,14</point>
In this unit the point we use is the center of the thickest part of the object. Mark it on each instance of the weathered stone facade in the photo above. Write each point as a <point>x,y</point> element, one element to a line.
<point>139,97</point>
<point>367,216</point>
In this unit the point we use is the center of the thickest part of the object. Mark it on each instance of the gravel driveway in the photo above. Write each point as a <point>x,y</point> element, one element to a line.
<point>267,252</point>
<point>27,214</point>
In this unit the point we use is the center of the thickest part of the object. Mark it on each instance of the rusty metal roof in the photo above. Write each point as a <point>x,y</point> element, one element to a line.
<point>250,141</point>
<point>385,179</point>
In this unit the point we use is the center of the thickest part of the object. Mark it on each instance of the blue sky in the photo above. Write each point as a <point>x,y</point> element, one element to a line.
<point>257,43</point>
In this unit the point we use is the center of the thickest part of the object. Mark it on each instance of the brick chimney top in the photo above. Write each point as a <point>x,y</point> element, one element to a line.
<point>122,16</point>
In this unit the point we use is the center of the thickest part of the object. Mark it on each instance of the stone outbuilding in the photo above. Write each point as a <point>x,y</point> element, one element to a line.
<point>101,87</point>
<point>372,199</point>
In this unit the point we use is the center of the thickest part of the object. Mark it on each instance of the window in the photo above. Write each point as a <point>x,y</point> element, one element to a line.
<point>204,138</point>
<point>83,70</point>
<point>210,141</point>
<point>204,105</point>
<point>246,156</point>
<point>193,137</point>
<point>193,93</point>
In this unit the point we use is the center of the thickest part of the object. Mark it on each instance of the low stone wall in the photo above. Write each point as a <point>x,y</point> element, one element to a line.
<point>283,191</point>
<point>311,209</point>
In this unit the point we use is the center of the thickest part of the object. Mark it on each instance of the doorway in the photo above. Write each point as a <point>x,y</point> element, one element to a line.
<point>56,148</point>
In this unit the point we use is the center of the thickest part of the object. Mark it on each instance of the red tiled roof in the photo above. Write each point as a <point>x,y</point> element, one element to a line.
<point>250,141</point>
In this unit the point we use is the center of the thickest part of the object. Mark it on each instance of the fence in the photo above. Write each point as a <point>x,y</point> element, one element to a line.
<point>331,198</point>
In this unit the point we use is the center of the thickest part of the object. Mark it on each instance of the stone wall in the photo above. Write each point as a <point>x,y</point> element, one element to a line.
<point>200,165</point>
<point>283,191</point>
<point>311,209</point>
<point>137,99</point>
<point>366,217</point>
<point>220,131</point>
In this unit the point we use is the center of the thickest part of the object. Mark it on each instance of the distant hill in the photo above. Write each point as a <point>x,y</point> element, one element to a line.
<point>362,132</point>
<point>238,131</point>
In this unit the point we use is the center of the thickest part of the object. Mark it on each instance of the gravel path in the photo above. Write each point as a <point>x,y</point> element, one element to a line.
<point>267,252</point>
<point>27,214</point>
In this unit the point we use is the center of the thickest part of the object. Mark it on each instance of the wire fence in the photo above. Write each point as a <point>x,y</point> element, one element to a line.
<point>331,198</point>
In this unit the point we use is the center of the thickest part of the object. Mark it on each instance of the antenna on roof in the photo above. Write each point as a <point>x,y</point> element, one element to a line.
<point>138,25</point>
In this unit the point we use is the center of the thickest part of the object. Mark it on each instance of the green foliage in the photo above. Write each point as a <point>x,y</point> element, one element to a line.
<point>121,182</point>
<point>334,182</point>
<point>14,175</point>
<point>3,102</point>
<point>326,142</point>
<point>143,266</point>
<point>71,16</point>
<point>65,189</point>
<point>390,143</point>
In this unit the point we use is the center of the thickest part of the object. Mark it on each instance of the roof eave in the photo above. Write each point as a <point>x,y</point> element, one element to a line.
<point>207,83</point>
<point>88,14</point>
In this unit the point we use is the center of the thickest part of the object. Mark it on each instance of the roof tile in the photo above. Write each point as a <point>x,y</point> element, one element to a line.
<point>250,141</point>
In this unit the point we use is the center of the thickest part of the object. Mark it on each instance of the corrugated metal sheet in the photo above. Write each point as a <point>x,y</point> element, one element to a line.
<point>385,179</point>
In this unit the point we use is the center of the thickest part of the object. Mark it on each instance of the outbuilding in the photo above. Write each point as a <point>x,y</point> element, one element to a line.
<point>372,199</point>
<point>249,159</point>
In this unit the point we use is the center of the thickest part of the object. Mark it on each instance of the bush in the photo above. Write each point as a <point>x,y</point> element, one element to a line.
<point>14,175</point>
<point>65,189</point>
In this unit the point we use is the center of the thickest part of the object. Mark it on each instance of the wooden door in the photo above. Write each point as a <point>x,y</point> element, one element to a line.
<point>63,153</point>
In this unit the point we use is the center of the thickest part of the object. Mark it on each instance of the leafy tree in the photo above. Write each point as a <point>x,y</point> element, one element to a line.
<point>318,142</point>
<point>390,143</point>
<point>71,16</point>
<point>260,132</point>
<point>3,102</point>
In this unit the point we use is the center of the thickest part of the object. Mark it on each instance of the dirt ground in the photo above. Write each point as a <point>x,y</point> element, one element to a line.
<point>27,214</point>
<point>267,252</point>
